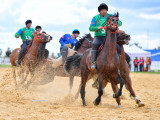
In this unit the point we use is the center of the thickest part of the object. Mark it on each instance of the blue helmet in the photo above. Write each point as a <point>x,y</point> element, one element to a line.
<point>75,31</point>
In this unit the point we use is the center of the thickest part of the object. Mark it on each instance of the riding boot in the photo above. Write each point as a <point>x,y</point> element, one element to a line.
<point>64,53</point>
<point>128,59</point>
<point>20,57</point>
<point>94,58</point>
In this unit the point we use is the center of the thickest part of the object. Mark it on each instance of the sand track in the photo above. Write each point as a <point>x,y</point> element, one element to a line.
<point>52,101</point>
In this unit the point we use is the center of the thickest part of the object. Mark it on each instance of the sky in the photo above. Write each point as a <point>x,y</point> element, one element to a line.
<point>140,19</point>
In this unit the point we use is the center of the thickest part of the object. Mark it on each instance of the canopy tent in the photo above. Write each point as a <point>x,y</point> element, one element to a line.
<point>134,51</point>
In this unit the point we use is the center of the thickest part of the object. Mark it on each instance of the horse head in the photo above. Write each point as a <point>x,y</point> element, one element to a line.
<point>42,37</point>
<point>85,42</point>
<point>113,22</point>
<point>123,38</point>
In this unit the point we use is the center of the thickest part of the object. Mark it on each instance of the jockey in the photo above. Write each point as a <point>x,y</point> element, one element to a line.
<point>69,39</point>
<point>100,33</point>
<point>26,34</point>
<point>38,28</point>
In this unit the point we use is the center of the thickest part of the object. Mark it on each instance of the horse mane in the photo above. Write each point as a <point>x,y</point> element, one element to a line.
<point>80,42</point>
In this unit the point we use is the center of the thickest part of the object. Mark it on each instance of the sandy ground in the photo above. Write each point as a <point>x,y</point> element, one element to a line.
<point>52,101</point>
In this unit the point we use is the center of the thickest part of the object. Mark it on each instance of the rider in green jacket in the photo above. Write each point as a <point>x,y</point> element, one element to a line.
<point>97,26</point>
<point>26,34</point>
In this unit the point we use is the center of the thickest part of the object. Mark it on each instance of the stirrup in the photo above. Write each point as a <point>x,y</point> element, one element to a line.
<point>93,66</point>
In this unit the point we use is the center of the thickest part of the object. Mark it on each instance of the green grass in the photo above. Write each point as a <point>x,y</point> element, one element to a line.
<point>147,72</point>
<point>5,66</point>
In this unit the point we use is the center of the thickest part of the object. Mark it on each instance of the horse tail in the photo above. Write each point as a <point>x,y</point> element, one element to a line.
<point>72,61</point>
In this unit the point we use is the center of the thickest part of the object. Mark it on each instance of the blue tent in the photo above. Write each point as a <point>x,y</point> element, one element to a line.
<point>155,55</point>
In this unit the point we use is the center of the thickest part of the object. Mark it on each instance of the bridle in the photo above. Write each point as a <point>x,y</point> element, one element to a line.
<point>108,23</point>
<point>89,41</point>
<point>36,38</point>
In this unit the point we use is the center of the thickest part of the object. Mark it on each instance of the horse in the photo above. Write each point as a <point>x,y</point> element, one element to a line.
<point>107,64</point>
<point>42,54</point>
<point>30,59</point>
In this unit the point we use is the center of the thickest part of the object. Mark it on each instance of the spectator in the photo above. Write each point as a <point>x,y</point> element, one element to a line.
<point>141,64</point>
<point>8,52</point>
<point>136,65</point>
<point>148,64</point>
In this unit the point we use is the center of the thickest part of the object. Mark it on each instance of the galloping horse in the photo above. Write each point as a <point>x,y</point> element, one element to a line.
<point>124,72</point>
<point>107,64</point>
<point>30,59</point>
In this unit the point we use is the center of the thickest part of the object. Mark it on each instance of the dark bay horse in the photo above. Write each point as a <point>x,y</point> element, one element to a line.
<point>30,59</point>
<point>107,64</point>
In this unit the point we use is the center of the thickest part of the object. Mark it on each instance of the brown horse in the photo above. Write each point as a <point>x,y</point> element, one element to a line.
<point>124,72</point>
<point>30,59</point>
<point>107,64</point>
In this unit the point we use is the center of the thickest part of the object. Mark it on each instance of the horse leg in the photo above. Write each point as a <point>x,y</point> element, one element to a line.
<point>25,78</point>
<point>114,88</point>
<point>71,78</point>
<point>100,90</point>
<point>129,86</point>
<point>77,94</point>
<point>21,72</point>
<point>119,93</point>
<point>14,75</point>
<point>84,77</point>
<point>30,80</point>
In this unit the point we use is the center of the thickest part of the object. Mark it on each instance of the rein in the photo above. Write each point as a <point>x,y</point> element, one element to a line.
<point>36,38</point>
<point>89,41</point>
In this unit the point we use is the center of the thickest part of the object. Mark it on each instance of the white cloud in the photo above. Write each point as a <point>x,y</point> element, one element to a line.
<point>54,12</point>
<point>150,16</point>
<point>144,42</point>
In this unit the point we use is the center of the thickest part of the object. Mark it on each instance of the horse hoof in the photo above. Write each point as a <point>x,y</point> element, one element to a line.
<point>84,105</point>
<point>140,104</point>
<point>119,106</point>
<point>96,102</point>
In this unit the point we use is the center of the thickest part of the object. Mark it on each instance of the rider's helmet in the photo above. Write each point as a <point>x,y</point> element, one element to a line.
<point>38,27</point>
<point>102,6</point>
<point>28,21</point>
<point>75,31</point>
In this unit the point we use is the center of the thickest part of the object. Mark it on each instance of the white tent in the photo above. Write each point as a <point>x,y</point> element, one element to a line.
<point>133,51</point>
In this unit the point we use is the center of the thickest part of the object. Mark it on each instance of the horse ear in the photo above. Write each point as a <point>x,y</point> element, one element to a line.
<point>117,14</point>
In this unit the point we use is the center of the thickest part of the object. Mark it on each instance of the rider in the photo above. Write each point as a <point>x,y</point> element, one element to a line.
<point>38,28</point>
<point>69,39</point>
<point>26,34</point>
<point>100,33</point>
<point>42,53</point>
